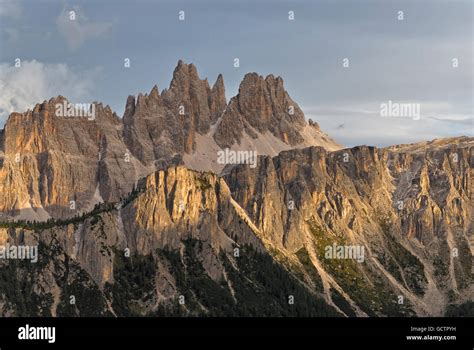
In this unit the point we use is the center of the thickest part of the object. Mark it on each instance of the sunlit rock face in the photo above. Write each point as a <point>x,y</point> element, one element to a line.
<point>412,235</point>
<point>132,214</point>
<point>56,161</point>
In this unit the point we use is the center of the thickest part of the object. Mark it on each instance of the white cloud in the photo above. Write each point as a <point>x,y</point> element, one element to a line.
<point>10,8</point>
<point>358,124</point>
<point>77,31</point>
<point>21,88</point>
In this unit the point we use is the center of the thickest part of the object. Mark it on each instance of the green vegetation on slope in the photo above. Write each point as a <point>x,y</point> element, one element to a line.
<point>308,266</point>
<point>134,284</point>
<point>462,310</point>
<point>18,282</point>
<point>259,287</point>
<point>364,286</point>
<point>403,265</point>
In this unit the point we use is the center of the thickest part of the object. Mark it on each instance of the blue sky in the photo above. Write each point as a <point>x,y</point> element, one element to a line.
<point>407,61</point>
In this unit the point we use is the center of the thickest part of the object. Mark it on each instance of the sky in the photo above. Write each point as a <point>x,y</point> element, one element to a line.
<point>408,61</point>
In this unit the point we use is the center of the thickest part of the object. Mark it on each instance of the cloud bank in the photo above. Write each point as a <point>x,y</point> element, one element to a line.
<point>353,125</point>
<point>21,88</point>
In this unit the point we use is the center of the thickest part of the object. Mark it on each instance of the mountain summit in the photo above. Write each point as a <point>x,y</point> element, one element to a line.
<point>133,214</point>
<point>52,162</point>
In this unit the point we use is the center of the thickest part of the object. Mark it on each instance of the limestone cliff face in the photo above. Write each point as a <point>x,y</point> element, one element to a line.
<point>172,211</point>
<point>50,161</point>
<point>171,206</point>
<point>410,207</point>
<point>60,166</point>
<point>136,231</point>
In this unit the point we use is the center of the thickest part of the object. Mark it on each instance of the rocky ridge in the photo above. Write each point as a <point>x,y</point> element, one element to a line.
<point>135,216</point>
<point>58,166</point>
<point>410,209</point>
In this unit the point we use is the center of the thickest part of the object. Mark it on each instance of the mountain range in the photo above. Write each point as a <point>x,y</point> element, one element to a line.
<point>140,216</point>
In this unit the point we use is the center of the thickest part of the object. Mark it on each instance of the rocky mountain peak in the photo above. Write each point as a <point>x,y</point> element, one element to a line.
<point>178,121</point>
<point>263,109</point>
<point>100,157</point>
<point>219,84</point>
<point>129,109</point>
<point>217,100</point>
<point>162,125</point>
<point>121,183</point>
<point>183,75</point>
<point>154,93</point>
